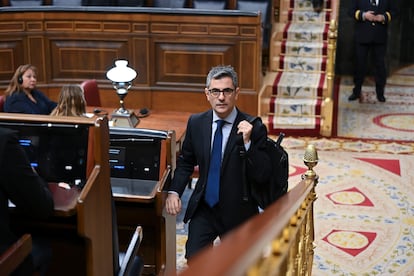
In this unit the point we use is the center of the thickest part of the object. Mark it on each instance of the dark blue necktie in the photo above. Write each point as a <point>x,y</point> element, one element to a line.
<point>213,180</point>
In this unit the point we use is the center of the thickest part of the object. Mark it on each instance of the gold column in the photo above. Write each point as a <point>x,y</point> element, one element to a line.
<point>327,104</point>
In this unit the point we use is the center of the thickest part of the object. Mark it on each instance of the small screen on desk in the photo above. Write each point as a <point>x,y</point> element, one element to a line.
<point>135,153</point>
<point>58,152</point>
<point>134,158</point>
<point>117,158</point>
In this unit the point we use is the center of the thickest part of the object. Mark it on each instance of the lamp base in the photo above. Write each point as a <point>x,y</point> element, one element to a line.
<point>126,119</point>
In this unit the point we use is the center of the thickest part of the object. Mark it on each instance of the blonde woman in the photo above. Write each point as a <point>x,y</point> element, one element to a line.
<point>71,102</point>
<point>22,96</point>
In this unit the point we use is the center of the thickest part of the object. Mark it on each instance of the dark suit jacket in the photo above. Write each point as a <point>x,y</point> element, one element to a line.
<point>368,32</point>
<point>20,184</point>
<point>196,151</point>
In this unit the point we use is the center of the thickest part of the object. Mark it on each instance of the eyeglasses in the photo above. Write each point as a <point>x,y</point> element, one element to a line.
<point>215,92</point>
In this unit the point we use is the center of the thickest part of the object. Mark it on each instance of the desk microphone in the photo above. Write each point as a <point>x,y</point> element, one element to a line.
<point>143,112</point>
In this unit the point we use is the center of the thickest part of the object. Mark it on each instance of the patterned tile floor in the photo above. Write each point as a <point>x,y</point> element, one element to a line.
<point>369,119</point>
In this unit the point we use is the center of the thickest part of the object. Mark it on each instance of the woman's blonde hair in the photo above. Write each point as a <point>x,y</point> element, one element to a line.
<point>17,79</point>
<point>71,102</point>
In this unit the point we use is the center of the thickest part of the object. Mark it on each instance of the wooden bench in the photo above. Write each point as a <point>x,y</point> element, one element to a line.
<point>15,254</point>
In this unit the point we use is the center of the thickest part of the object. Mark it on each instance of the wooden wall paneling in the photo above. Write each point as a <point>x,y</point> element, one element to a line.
<point>186,63</point>
<point>79,58</point>
<point>37,56</point>
<point>172,52</point>
<point>249,69</point>
<point>141,60</point>
<point>247,101</point>
<point>11,56</point>
<point>11,26</point>
<point>136,99</point>
<point>11,49</point>
<point>167,100</point>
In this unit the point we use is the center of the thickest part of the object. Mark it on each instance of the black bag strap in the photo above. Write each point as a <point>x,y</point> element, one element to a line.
<point>280,138</point>
<point>242,153</point>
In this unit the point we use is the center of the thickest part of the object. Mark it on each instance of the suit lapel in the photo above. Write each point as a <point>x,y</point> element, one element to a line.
<point>206,134</point>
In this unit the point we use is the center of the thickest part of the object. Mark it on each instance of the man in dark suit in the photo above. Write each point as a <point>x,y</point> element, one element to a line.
<point>207,220</point>
<point>20,184</point>
<point>372,18</point>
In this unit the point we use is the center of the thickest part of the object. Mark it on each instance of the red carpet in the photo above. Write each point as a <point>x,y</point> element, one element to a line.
<point>392,165</point>
<point>295,104</point>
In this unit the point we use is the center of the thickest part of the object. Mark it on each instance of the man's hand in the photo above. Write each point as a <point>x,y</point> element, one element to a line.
<point>370,16</point>
<point>245,128</point>
<point>173,204</point>
<point>380,18</point>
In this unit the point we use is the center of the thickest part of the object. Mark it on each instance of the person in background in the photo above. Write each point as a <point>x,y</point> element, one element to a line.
<point>20,184</point>
<point>213,214</point>
<point>318,5</point>
<point>22,95</point>
<point>372,18</point>
<point>71,101</point>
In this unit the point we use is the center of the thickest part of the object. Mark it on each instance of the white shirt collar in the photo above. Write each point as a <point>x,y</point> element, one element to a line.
<point>229,119</point>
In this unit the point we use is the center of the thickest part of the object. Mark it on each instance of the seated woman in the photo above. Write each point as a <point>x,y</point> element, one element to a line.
<point>71,102</point>
<point>22,95</point>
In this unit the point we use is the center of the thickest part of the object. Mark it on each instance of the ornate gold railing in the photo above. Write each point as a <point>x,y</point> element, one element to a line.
<point>278,241</point>
<point>327,104</point>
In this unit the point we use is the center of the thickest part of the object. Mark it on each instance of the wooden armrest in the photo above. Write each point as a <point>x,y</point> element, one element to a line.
<point>15,254</point>
<point>130,256</point>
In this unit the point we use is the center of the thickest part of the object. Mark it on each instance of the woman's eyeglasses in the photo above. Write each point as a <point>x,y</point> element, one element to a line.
<point>215,92</point>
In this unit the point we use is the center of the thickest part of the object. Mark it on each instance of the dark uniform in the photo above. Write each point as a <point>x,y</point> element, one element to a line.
<point>371,36</point>
<point>317,5</point>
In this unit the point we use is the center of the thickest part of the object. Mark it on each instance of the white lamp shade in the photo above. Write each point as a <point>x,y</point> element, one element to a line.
<point>121,72</point>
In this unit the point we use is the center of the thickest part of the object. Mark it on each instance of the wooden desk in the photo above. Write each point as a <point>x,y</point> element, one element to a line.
<point>158,247</point>
<point>80,231</point>
<point>65,200</point>
<point>166,120</point>
<point>157,119</point>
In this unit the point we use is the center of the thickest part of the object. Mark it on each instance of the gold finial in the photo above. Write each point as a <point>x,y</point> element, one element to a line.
<point>311,160</point>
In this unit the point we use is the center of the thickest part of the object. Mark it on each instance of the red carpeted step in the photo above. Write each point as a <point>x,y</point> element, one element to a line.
<point>293,126</point>
<point>302,64</point>
<point>304,49</point>
<point>295,106</point>
<point>299,84</point>
<point>309,16</point>
<point>292,114</point>
<point>306,32</point>
<point>301,4</point>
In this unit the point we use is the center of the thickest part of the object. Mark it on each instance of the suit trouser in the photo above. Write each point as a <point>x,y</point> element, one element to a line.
<point>361,51</point>
<point>204,227</point>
